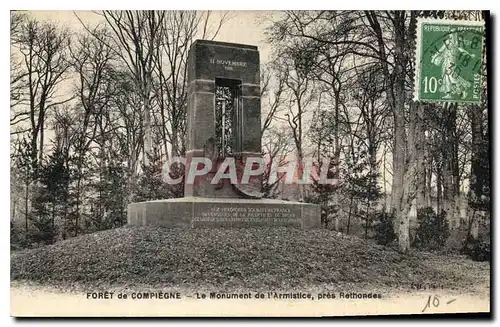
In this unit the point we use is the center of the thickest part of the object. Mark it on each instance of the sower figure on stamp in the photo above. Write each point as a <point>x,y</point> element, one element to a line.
<point>447,57</point>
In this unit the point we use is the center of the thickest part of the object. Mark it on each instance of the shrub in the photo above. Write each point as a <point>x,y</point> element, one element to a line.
<point>17,237</point>
<point>477,250</point>
<point>455,243</point>
<point>384,229</point>
<point>432,231</point>
<point>44,232</point>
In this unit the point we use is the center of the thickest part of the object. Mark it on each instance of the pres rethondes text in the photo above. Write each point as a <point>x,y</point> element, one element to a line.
<point>232,296</point>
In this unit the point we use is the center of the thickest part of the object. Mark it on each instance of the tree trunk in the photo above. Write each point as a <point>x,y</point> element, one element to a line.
<point>26,209</point>
<point>450,171</point>
<point>367,220</point>
<point>399,143</point>
<point>349,215</point>
<point>399,153</point>
<point>336,161</point>
<point>428,178</point>
<point>77,210</point>
<point>475,189</point>
<point>474,229</point>
<point>34,156</point>
<point>420,152</point>
<point>148,139</point>
<point>411,178</point>
<point>52,223</point>
<point>448,192</point>
<point>439,188</point>
<point>385,184</point>
<point>40,152</point>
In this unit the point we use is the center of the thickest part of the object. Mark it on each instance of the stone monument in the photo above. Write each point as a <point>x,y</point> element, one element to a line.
<point>223,122</point>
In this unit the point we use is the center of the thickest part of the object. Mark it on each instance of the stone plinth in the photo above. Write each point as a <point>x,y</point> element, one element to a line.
<point>231,213</point>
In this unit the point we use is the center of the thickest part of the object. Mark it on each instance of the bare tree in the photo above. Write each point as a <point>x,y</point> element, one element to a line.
<point>17,73</point>
<point>299,97</point>
<point>170,69</point>
<point>272,92</point>
<point>135,38</point>
<point>277,150</point>
<point>43,49</point>
<point>92,61</point>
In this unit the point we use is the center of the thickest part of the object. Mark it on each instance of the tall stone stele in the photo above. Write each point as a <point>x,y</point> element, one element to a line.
<point>223,121</point>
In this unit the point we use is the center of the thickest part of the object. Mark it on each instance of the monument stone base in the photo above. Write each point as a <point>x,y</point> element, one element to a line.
<point>224,212</point>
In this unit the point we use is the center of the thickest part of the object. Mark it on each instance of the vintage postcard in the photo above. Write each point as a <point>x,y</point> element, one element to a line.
<point>249,163</point>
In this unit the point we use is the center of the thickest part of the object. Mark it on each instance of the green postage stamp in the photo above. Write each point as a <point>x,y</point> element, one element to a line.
<point>448,65</point>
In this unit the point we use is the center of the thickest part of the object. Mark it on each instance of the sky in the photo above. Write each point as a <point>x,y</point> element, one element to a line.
<point>244,26</point>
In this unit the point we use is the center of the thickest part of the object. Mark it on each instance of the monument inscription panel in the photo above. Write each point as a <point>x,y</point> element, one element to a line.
<point>229,60</point>
<point>218,214</point>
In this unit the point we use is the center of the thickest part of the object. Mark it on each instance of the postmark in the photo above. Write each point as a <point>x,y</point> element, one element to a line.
<point>448,61</point>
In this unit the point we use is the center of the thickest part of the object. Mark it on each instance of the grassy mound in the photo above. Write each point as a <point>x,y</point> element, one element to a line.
<point>236,258</point>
